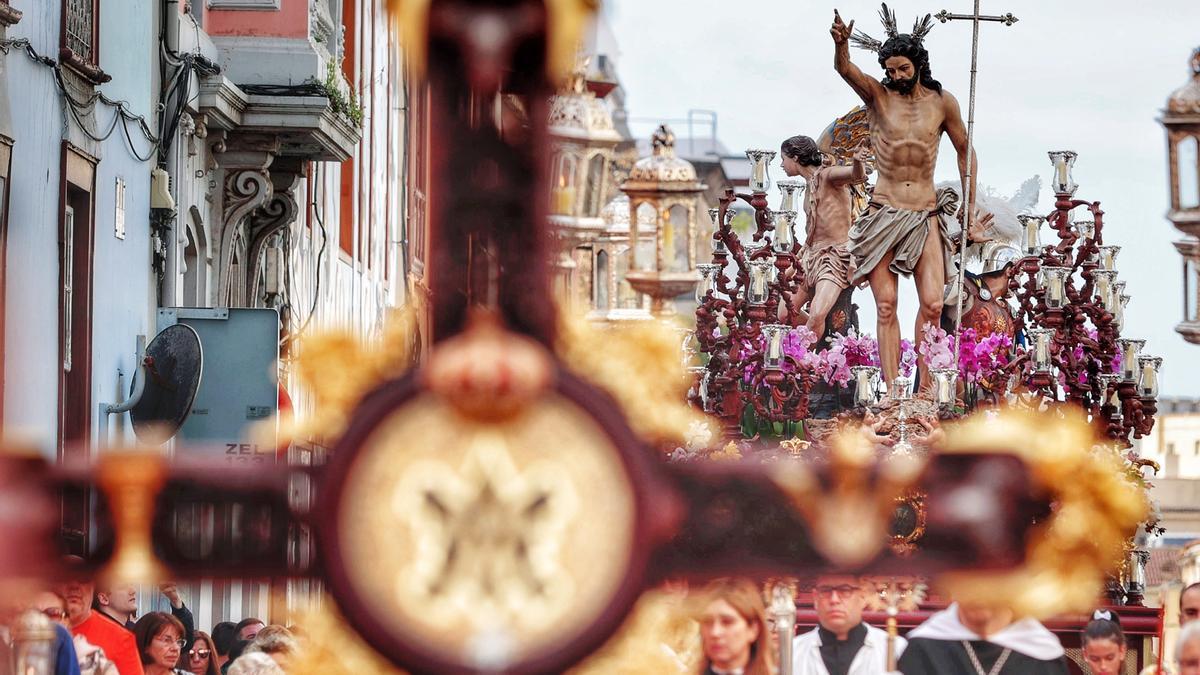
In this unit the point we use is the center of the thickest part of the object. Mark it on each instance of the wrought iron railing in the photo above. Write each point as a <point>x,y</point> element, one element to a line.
<point>80,25</point>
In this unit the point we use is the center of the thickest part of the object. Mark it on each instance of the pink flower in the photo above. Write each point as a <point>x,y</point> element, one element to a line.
<point>937,347</point>
<point>908,358</point>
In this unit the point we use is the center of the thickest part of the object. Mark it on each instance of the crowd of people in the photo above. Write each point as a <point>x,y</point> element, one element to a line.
<point>736,638</point>
<point>97,634</point>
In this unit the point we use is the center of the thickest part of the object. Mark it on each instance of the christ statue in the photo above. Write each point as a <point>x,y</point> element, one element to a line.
<point>908,228</point>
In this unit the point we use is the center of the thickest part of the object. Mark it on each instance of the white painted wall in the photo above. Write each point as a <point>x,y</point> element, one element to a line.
<point>123,296</point>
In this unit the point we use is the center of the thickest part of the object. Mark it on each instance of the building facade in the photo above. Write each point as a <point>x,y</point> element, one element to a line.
<point>196,155</point>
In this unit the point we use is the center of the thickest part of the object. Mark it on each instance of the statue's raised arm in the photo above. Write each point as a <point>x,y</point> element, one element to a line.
<point>864,85</point>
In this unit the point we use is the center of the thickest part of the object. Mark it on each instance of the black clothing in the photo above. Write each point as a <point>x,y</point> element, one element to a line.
<point>182,613</point>
<point>839,654</point>
<point>926,656</point>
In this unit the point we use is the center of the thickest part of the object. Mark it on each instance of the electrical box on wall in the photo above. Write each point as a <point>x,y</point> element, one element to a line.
<point>239,388</point>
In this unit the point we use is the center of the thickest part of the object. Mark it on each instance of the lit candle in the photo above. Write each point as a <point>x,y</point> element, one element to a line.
<point>760,275</point>
<point>1102,286</point>
<point>1148,385</point>
<point>1130,349</point>
<point>784,238</point>
<point>790,189</point>
<point>773,356</point>
<point>944,381</point>
<point>1055,284</point>
<point>1120,313</point>
<point>1032,228</point>
<point>865,378</point>
<point>1110,394</point>
<point>1041,348</point>
<point>708,273</point>
<point>1063,161</point>
<point>759,160</point>
<point>1114,296</point>
<point>1108,257</point>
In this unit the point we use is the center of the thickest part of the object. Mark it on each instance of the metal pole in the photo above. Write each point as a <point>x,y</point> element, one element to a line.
<point>970,177</point>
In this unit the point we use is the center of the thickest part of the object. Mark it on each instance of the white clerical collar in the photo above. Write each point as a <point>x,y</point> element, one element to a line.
<point>1027,636</point>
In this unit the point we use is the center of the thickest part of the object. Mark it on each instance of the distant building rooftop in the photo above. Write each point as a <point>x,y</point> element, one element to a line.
<point>1178,405</point>
<point>1163,566</point>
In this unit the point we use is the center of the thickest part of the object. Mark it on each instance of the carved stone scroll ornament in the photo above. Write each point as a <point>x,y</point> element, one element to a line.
<point>245,191</point>
<point>279,212</point>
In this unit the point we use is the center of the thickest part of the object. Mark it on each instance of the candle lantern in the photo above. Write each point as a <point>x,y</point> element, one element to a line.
<point>1130,349</point>
<point>1041,339</point>
<point>1102,287</point>
<point>1110,392</point>
<point>1135,584</point>
<point>708,276</point>
<point>1181,121</point>
<point>718,244</point>
<point>760,279</point>
<point>760,160</point>
<point>33,648</point>
<point>1114,298</point>
<point>900,388</point>
<point>1148,383</point>
<point>667,184</point>
<point>700,377</point>
<point>774,333</point>
<point>1108,257</point>
<point>1054,282</point>
<point>1086,229</point>
<point>1063,161</point>
<point>793,192</point>
<point>1031,227</point>
<point>1119,314</point>
<point>784,238</point>
<point>944,384</point>
<point>865,379</point>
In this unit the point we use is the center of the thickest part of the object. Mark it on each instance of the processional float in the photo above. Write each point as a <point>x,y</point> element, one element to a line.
<point>490,510</point>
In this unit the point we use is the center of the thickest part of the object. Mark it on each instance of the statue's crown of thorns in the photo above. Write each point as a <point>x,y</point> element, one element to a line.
<point>921,28</point>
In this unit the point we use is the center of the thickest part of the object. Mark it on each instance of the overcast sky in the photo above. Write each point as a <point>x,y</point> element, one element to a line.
<point>1083,75</point>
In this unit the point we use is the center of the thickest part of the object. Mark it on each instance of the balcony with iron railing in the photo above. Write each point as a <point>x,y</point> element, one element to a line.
<point>281,75</point>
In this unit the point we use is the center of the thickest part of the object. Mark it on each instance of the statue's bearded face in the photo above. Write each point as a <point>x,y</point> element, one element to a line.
<point>901,74</point>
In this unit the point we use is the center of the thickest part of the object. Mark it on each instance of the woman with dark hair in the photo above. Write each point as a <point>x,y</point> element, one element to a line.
<point>733,630</point>
<point>159,638</point>
<point>201,659</point>
<point>1104,643</point>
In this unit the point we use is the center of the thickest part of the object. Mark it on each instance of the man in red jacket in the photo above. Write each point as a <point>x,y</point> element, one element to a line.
<point>117,642</point>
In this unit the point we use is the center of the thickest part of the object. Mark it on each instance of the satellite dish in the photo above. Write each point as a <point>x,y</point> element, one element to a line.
<point>169,377</point>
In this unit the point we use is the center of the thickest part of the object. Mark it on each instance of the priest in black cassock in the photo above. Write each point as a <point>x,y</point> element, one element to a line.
<point>970,640</point>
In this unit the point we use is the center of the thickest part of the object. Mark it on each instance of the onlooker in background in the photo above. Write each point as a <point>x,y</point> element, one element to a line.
<point>733,630</point>
<point>1189,604</point>
<point>255,664</point>
<point>276,642</point>
<point>160,642</point>
<point>201,658</point>
<point>89,658</point>
<point>842,643</point>
<point>238,648</point>
<point>1104,644</point>
<point>1187,649</point>
<point>223,635</point>
<point>117,602</point>
<point>120,602</point>
<point>246,629</point>
<point>118,643</point>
